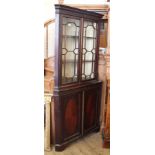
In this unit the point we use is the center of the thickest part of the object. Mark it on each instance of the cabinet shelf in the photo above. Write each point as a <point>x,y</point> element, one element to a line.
<point>71,36</point>
<point>69,79</point>
<point>72,61</point>
<point>89,37</point>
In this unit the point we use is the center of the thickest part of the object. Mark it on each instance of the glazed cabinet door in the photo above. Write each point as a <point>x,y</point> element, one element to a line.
<point>89,50</point>
<point>70,49</point>
<point>71,115</point>
<point>91,109</point>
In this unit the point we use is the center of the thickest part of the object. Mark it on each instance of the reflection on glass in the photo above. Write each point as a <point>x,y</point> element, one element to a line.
<point>89,50</point>
<point>70,49</point>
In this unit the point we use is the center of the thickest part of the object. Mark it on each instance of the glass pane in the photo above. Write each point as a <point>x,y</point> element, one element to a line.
<point>89,50</point>
<point>70,49</point>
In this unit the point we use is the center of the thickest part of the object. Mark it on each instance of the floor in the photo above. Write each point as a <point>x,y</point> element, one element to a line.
<point>90,145</point>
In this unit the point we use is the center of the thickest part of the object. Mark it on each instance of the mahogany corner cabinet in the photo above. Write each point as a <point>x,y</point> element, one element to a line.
<point>77,90</point>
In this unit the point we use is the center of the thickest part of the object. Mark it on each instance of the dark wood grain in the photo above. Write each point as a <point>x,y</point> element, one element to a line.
<point>72,115</point>
<point>90,109</point>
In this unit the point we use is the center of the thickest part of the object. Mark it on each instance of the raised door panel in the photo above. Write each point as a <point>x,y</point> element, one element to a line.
<point>90,109</point>
<point>71,116</point>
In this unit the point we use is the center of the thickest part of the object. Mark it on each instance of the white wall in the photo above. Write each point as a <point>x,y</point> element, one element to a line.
<point>49,11</point>
<point>51,39</point>
<point>84,1</point>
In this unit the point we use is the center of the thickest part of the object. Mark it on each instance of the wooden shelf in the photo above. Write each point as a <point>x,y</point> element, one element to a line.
<point>69,79</point>
<point>70,36</point>
<point>72,61</point>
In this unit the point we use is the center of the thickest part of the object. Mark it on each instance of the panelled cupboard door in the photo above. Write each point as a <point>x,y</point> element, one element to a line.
<point>71,115</point>
<point>91,109</point>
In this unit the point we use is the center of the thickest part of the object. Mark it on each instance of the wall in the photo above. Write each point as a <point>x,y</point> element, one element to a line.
<point>49,11</point>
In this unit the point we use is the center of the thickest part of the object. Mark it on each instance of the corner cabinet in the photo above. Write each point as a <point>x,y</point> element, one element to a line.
<point>77,91</point>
